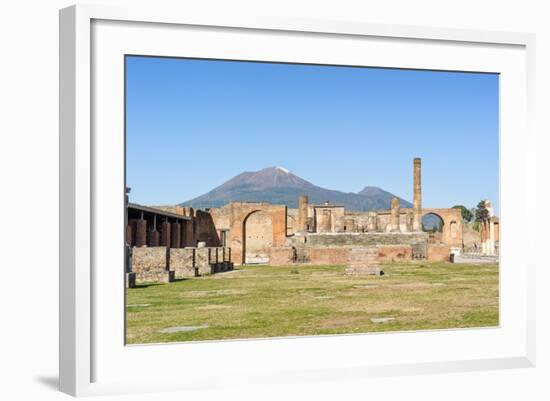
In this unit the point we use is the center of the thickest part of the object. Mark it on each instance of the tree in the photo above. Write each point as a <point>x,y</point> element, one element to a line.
<point>481,211</point>
<point>466,213</point>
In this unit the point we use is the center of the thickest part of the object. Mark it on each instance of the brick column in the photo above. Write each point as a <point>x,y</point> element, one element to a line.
<point>183,233</point>
<point>176,235</point>
<point>141,232</point>
<point>417,196</point>
<point>189,235</point>
<point>165,234</point>
<point>129,235</point>
<point>154,238</point>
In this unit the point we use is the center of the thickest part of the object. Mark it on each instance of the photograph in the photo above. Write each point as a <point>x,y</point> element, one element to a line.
<point>274,199</point>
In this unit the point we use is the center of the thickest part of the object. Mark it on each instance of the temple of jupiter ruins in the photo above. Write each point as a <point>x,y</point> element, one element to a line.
<point>171,241</point>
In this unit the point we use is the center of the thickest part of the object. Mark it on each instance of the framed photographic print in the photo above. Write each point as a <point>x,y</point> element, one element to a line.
<point>277,198</point>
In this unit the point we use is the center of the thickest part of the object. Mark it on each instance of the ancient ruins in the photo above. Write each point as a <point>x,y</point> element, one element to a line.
<point>168,242</point>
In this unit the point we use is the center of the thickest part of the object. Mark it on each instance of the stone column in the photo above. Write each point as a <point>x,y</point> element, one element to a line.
<point>175,231</point>
<point>491,242</point>
<point>302,213</point>
<point>141,232</point>
<point>371,221</point>
<point>417,196</point>
<point>394,223</point>
<point>154,236</point>
<point>403,227</point>
<point>165,234</point>
<point>483,237</point>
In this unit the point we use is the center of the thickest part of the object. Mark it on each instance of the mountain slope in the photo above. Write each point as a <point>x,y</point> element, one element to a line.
<point>279,186</point>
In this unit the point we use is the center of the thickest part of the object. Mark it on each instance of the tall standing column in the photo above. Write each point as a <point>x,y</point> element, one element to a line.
<point>417,196</point>
<point>302,213</point>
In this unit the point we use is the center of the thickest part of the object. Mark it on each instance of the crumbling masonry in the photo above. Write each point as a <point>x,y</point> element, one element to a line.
<point>170,242</point>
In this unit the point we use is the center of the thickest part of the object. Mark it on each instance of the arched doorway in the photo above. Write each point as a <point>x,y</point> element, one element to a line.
<point>257,237</point>
<point>433,224</point>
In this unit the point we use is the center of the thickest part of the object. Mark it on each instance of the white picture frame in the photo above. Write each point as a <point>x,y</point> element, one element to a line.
<point>93,358</point>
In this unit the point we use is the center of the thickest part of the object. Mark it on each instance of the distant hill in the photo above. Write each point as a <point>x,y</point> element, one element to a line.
<point>277,185</point>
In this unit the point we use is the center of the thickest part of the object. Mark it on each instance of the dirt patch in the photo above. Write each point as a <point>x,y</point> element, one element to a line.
<point>212,307</point>
<point>180,329</point>
<point>382,319</point>
<point>211,293</point>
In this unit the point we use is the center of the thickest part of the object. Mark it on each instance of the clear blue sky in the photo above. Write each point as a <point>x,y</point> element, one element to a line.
<point>193,124</point>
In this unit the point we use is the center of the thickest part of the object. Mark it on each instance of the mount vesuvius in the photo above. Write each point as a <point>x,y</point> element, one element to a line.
<point>277,185</point>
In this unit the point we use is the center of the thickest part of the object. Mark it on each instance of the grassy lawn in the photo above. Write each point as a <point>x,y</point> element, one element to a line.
<point>264,301</point>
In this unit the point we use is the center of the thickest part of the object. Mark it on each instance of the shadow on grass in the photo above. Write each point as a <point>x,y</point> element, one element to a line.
<point>146,285</point>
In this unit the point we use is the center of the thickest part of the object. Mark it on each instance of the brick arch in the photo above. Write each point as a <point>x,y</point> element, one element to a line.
<point>257,237</point>
<point>240,211</point>
<point>449,216</point>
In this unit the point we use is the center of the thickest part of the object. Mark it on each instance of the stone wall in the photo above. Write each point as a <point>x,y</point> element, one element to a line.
<point>182,261</point>
<point>202,261</point>
<point>150,264</point>
<point>166,264</point>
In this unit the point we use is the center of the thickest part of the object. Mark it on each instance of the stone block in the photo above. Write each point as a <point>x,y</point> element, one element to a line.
<point>202,261</point>
<point>182,261</point>
<point>150,264</point>
<point>130,280</point>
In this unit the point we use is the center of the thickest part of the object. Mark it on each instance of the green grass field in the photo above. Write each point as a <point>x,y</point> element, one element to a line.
<point>264,301</point>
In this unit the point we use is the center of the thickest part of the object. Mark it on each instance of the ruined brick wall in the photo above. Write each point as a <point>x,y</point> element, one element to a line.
<point>171,209</point>
<point>327,256</point>
<point>222,217</point>
<point>358,239</point>
<point>383,221</point>
<point>291,221</point>
<point>395,253</point>
<point>320,255</point>
<point>232,217</point>
<point>205,230</point>
<point>329,219</point>
<point>258,235</point>
<point>281,256</point>
<point>356,221</point>
<point>150,264</point>
<point>439,253</point>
